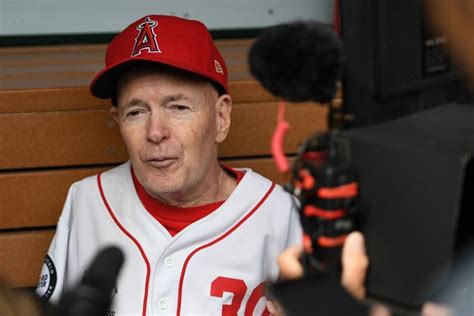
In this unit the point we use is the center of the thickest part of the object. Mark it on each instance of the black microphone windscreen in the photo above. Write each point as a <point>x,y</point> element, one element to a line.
<point>299,61</point>
<point>92,296</point>
<point>105,268</point>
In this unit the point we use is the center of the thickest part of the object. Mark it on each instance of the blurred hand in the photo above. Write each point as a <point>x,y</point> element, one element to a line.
<point>433,309</point>
<point>289,263</point>
<point>354,268</point>
<point>354,264</point>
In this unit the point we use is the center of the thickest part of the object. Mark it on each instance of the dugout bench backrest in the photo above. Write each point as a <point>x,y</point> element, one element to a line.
<point>52,133</point>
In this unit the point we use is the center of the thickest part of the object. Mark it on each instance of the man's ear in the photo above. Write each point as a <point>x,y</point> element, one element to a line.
<point>223,111</point>
<point>114,112</point>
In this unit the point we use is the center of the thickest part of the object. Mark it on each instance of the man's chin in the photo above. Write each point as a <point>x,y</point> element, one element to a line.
<point>163,187</point>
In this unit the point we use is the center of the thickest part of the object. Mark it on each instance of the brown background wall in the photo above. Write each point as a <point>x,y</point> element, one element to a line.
<point>52,133</point>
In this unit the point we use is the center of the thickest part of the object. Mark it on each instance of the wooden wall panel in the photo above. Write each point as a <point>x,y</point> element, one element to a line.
<point>53,99</point>
<point>253,125</point>
<point>52,139</point>
<point>35,198</point>
<point>21,256</point>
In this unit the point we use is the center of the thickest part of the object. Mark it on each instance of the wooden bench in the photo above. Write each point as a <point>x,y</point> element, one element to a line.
<point>52,133</point>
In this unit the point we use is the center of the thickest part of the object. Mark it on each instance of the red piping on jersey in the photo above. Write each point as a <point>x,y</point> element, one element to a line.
<point>132,238</point>
<point>181,279</point>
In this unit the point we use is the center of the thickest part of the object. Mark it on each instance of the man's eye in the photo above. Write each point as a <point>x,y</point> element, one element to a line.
<point>180,107</point>
<point>133,113</point>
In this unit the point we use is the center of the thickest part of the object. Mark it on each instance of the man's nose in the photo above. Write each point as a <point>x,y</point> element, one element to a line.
<point>158,129</point>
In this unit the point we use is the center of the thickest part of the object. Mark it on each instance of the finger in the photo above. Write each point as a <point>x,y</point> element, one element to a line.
<point>289,263</point>
<point>274,308</point>
<point>379,310</point>
<point>354,265</point>
<point>433,309</point>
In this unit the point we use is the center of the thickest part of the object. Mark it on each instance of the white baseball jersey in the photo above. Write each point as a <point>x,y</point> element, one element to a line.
<point>216,265</point>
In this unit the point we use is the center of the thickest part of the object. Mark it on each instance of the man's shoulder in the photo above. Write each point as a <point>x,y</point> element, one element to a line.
<point>255,179</point>
<point>92,181</point>
<point>250,173</point>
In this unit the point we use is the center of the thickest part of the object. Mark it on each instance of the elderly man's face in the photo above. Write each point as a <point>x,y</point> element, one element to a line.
<point>171,126</point>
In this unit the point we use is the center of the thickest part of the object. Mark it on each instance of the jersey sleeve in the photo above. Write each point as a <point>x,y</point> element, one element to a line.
<point>295,231</point>
<point>52,280</point>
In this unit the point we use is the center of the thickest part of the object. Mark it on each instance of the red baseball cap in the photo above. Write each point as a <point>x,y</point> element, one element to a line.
<point>176,42</point>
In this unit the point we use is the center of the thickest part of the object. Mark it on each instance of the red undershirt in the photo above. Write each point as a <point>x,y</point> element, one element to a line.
<point>174,218</point>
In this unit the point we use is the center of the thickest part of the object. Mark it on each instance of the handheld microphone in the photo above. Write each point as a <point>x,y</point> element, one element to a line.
<point>92,296</point>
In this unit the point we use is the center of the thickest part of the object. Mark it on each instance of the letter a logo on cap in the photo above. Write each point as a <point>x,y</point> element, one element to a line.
<point>146,39</point>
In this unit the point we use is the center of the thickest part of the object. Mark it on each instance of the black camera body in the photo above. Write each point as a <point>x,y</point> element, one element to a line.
<point>416,178</point>
<point>412,141</point>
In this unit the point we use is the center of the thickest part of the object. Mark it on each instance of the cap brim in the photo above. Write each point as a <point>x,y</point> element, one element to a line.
<point>104,83</point>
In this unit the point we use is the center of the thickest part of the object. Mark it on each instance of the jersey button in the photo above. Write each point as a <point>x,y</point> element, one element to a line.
<point>163,303</point>
<point>169,262</point>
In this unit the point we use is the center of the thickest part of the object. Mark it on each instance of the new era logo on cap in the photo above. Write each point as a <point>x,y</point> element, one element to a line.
<point>173,41</point>
<point>218,67</point>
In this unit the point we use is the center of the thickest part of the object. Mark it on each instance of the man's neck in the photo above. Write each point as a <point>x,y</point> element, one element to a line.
<point>217,186</point>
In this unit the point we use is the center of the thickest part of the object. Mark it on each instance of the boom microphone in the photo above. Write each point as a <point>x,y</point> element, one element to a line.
<point>299,61</point>
<point>92,296</point>
<point>302,61</point>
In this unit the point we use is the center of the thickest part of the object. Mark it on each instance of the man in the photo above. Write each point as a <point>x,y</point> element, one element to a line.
<point>198,237</point>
